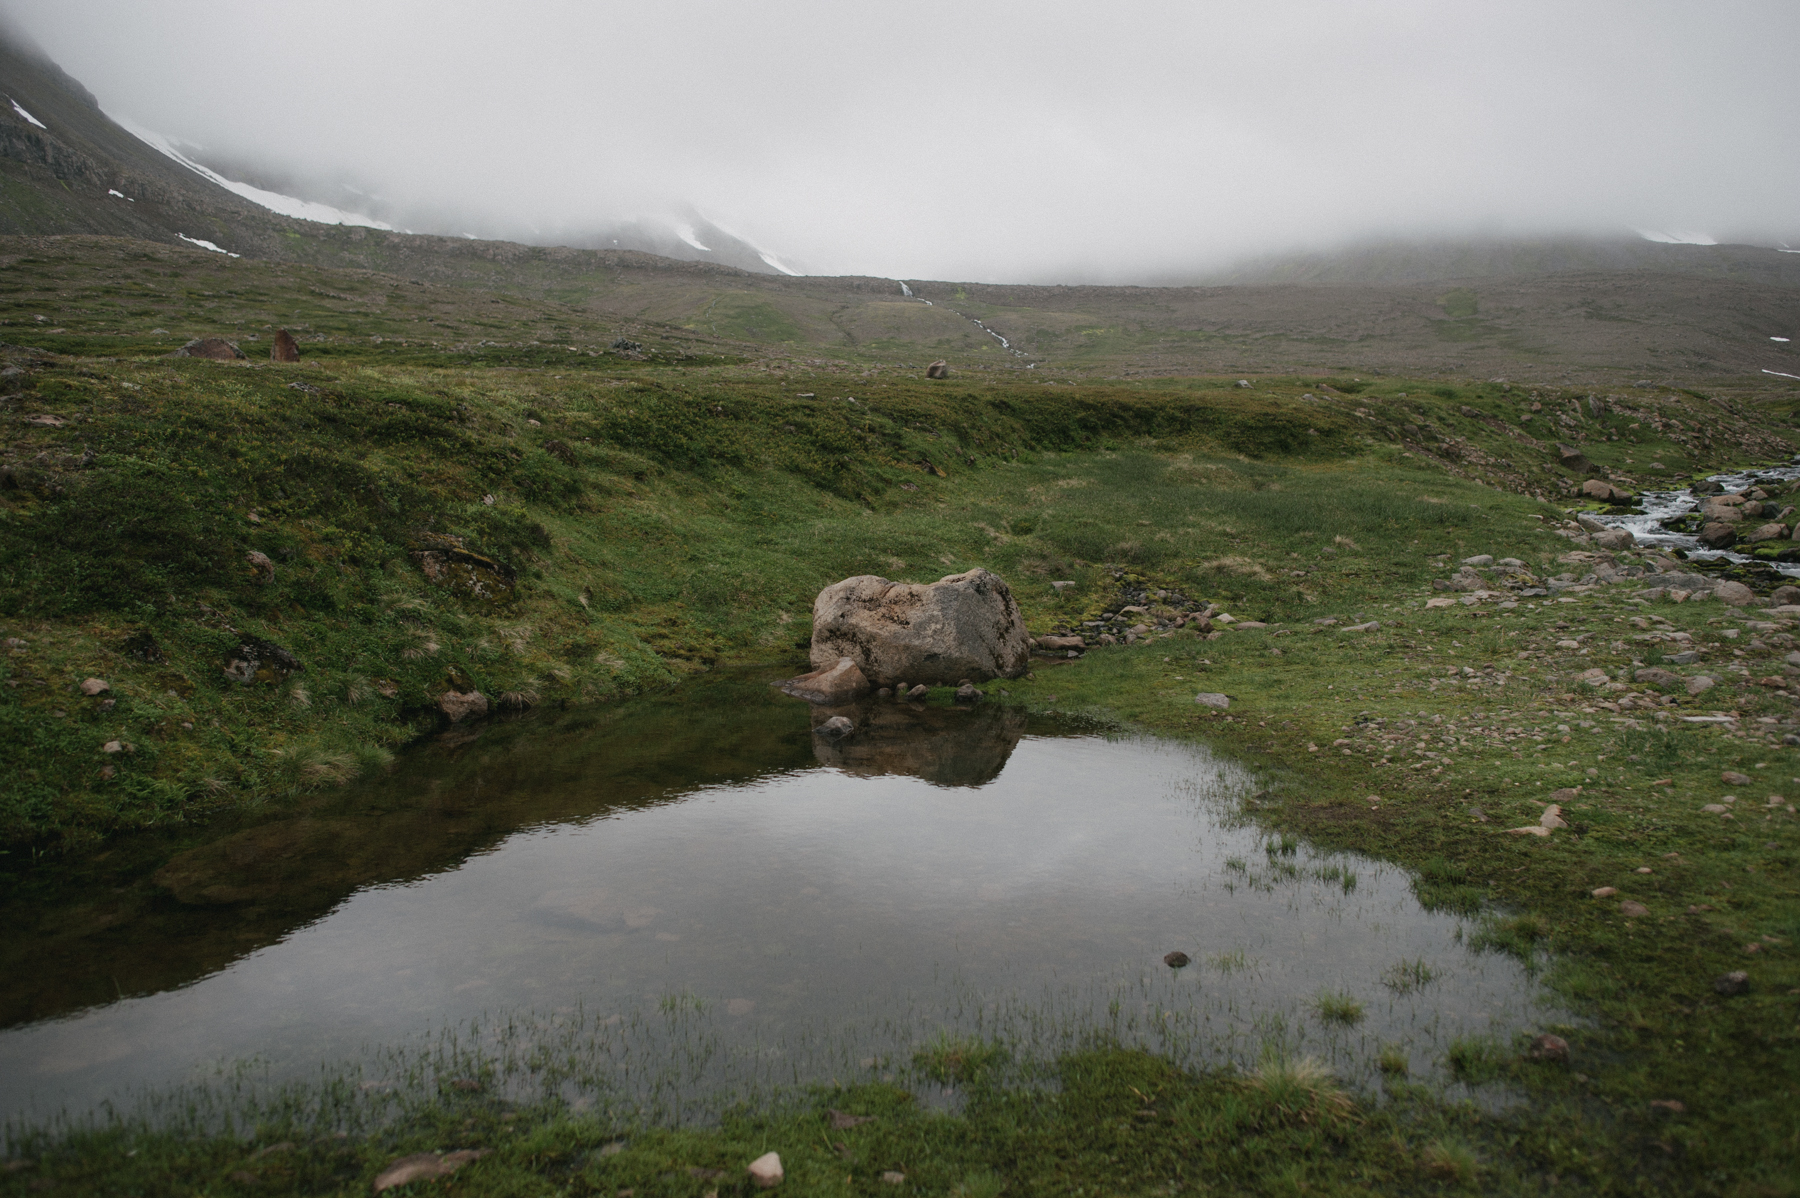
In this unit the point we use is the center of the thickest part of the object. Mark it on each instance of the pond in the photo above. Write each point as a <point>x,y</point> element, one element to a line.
<point>807,903</point>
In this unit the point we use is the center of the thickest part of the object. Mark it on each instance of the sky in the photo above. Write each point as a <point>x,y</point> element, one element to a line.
<point>1048,141</point>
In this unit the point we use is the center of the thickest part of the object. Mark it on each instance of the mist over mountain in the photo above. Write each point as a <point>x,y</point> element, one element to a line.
<point>1014,143</point>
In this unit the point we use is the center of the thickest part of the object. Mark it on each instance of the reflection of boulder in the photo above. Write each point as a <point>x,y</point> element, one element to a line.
<point>944,746</point>
<point>265,862</point>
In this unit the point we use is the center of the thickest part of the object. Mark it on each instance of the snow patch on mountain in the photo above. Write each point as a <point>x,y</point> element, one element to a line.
<point>274,201</point>
<point>777,263</point>
<point>207,245</point>
<point>686,233</point>
<point>1676,237</point>
<point>26,115</point>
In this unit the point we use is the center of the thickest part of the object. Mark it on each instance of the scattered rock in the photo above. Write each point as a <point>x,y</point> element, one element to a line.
<point>261,568</point>
<point>1686,657</point>
<point>1242,383</point>
<point>112,746</point>
<point>1767,532</point>
<point>1550,1048</point>
<point>216,349</point>
<point>1066,583</point>
<point>446,562</point>
<point>1441,601</point>
<point>765,1170</point>
<point>1606,892</point>
<point>284,348</point>
<point>257,660</point>
<point>893,1178</point>
<point>939,369</point>
<point>1733,778</point>
<point>837,683</point>
<point>918,692</point>
<point>1735,593</point>
<point>1530,830</point>
<point>1552,817</point>
<point>1699,684</point>
<point>1571,458</point>
<point>1596,488</point>
<point>462,705</point>
<point>1177,960</point>
<point>1733,983</point>
<point>963,625</point>
<point>966,693</point>
<point>1060,643</point>
<point>94,686</point>
<point>1593,677</point>
<point>424,1166</point>
<point>1615,539</point>
<point>1211,699</point>
<point>1788,594</point>
<point>1717,536</point>
<point>1714,809</point>
<point>1656,677</point>
<point>1632,910</point>
<point>836,727</point>
<point>1480,559</point>
<point>1371,626</point>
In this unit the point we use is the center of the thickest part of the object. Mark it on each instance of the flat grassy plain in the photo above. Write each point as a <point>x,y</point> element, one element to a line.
<point>607,522</point>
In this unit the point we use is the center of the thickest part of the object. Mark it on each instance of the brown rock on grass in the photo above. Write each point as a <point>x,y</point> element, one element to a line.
<point>1550,1048</point>
<point>462,705</point>
<point>963,626</point>
<point>284,348</point>
<point>938,370</point>
<point>215,349</point>
<point>1733,778</point>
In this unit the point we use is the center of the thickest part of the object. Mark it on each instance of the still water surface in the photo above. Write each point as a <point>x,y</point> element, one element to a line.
<point>706,844</point>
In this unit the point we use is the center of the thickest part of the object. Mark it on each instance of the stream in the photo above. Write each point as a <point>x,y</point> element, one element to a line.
<point>807,902</point>
<point>1658,506</point>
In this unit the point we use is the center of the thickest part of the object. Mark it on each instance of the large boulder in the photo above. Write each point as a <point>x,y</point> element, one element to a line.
<point>1596,488</point>
<point>284,348</point>
<point>961,626</point>
<point>1718,536</point>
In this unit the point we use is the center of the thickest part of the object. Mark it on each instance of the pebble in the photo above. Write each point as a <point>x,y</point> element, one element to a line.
<point>1550,1048</point>
<point>1642,869</point>
<point>1632,910</point>
<point>893,1177</point>
<point>1211,699</point>
<point>1606,892</point>
<point>1735,982</point>
<point>765,1170</point>
<point>94,686</point>
<point>1733,778</point>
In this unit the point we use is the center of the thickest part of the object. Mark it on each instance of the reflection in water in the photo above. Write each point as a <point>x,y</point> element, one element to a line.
<point>913,876</point>
<point>946,746</point>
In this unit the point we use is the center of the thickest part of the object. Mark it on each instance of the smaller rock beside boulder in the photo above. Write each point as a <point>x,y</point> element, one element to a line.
<point>835,728</point>
<point>837,683</point>
<point>215,349</point>
<point>1213,699</point>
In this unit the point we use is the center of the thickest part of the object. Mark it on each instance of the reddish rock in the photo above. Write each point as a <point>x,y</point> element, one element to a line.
<point>836,683</point>
<point>284,348</point>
